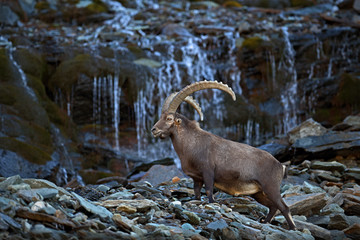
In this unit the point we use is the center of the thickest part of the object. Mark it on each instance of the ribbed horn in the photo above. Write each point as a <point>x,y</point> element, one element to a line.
<point>180,97</point>
<point>188,99</point>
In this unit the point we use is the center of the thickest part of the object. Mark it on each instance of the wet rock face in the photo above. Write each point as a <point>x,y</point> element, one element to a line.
<point>108,65</point>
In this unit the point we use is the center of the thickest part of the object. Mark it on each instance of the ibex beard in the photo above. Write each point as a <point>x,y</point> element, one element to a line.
<point>232,167</point>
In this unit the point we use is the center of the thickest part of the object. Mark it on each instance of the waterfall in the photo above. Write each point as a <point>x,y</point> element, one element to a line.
<point>288,96</point>
<point>10,49</point>
<point>106,104</point>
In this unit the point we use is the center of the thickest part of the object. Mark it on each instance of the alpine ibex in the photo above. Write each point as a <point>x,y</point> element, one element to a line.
<point>232,167</point>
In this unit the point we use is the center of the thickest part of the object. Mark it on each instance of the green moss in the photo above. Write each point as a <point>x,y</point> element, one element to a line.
<point>43,5</point>
<point>91,176</point>
<point>252,43</point>
<point>68,72</point>
<point>28,131</point>
<point>232,4</point>
<point>31,62</point>
<point>97,7</point>
<point>8,72</point>
<point>6,94</point>
<point>349,90</point>
<point>302,3</point>
<point>24,105</point>
<point>28,152</point>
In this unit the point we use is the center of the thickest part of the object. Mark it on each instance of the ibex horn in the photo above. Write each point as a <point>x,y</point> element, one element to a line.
<point>181,96</point>
<point>188,99</point>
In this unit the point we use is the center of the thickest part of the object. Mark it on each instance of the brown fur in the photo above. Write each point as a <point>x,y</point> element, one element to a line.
<point>233,167</point>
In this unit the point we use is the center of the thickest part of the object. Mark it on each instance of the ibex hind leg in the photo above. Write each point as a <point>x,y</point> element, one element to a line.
<point>264,200</point>
<point>273,194</point>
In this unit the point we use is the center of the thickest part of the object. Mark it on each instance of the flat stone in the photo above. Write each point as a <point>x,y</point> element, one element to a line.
<point>97,210</point>
<point>329,166</point>
<point>122,222</point>
<point>328,142</point>
<point>46,193</point>
<point>309,188</point>
<point>338,222</point>
<point>141,205</point>
<point>219,224</point>
<point>29,195</point>
<point>10,181</point>
<point>331,209</point>
<point>316,231</point>
<point>307,204</point>
<point>328,177</point>
<point>353,231</point>
<point>6,220</point>
<point>42,183</point>
<point>126,208</point>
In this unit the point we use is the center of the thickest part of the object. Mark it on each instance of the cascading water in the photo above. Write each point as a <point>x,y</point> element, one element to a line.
<point>289,96</point>
<point>9,46</point>
<point>106,104</point>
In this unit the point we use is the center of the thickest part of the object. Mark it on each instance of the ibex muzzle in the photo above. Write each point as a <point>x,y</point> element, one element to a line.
<point>232,167</point>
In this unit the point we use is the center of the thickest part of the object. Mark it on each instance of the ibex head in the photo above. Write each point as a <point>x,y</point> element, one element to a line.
<point>169,119</point>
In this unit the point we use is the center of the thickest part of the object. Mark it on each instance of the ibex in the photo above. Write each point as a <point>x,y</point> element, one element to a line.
<point>234,168</point>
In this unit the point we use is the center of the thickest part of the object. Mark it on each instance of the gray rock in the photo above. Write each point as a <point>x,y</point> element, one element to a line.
<point>324,175</point>
<point>125,194</point>
<point>316,231</point>
<point>309,188</point>
<point>306,129</point>
<point>189,230</point>
<point>141,205</point>
<point>331,209</point>
<point>329,166</point>
<point>29,195</point>
<point>42,183</point>
<point>7,16</point>
<point>338,222</point>
<point>307,204</point>
<point>5,220</point>
<point>44,207</point>
<point>158,174</point>
<point>47,193</point>
<point>193,217</point>
<point>97,210</point>
<point>219,224</point>
<point>328,142</point>
<point>10,181</point>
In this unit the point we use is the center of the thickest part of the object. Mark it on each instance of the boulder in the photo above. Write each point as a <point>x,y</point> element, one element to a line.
<point>158,174</point>
<point>329,166</point>
<point>306,129</point>
<point>307,204</point>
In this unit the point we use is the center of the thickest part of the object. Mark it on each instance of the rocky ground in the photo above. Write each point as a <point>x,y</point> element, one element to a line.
<point>323,195</point>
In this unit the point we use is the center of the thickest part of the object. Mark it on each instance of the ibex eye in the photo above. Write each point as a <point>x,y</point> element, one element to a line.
<point>169,119</point>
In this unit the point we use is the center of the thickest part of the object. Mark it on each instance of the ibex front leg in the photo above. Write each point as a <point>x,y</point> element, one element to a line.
<point>197,188</point>
<point>209,184</point>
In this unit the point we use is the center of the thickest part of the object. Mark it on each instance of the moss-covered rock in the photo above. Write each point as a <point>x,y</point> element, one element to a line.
<point>255,43</point>
<point>97,6</point>
<point>230,4</point>
<point>68,72</point>
<point>8,72</point>
<point>30,61</point>
<point>24,105</point>
<point>90,176</point>
<point>29,152</point>
<point>349,90</point>
<point>302,3</point>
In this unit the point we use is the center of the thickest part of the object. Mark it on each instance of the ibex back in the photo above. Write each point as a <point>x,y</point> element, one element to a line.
<point>232,167</point>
